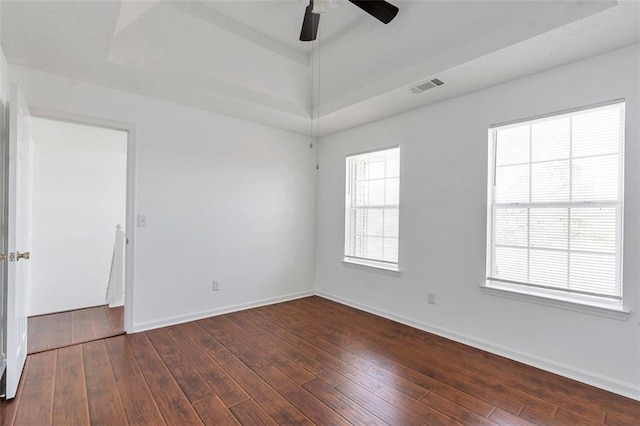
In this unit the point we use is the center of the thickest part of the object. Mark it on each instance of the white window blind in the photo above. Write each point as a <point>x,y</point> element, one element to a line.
<point>556,206</point>
<point>372,203</point>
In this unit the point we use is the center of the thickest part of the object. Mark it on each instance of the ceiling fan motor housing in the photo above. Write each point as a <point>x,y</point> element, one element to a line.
<point>322,6</point>
<point>379,9</point>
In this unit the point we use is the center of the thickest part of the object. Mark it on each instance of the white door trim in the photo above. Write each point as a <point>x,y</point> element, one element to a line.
<point>131,194</point>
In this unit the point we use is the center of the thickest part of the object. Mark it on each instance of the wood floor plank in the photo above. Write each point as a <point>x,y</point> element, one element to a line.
<point>380,376</point>
<point>540,413</point>
<point>105,406</point>
<point>462,396</point>
<point>430,370</point>
<point>377,406</point>
<point>324,365</point>
<point>123,363</point>
<point>249,413</point>
<point>39,329</point>
<point>451,409</point>
<point>504,418</point>
<point>566,417</point>
<point>100,323</point>
<point>429,415</point>
<point>434,380</point>
<point>185,374</point>
<point>303,400</point>
<point>71,405</point>
<point>302,354</point>
<point>481,386</point>
<point>274,404</point>
<point>81,327</point>
<point>60,330</point>
<point>173,404</point>
<point>116,318</point>
<point>366,373</point>
<point>36,402</point>
<point>512,374</point>
<point>212,411</point>
<point>348,409</point>
<point>608,401</point>
<point>139,406</point>
<point>615,419</point>
<point>294,371</point>
<point>397,332</point>
<point>464,399</point>
<point>506,371</point>
<point>225,387</point>
<point>509,372</point>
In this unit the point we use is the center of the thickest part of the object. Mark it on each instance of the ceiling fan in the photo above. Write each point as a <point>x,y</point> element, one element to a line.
<point>379,9</point>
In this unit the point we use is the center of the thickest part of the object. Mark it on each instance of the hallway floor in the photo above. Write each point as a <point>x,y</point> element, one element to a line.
<point>62,329</point>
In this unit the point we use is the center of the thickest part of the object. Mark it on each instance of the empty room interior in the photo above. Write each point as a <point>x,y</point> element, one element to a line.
<point>325,212</point>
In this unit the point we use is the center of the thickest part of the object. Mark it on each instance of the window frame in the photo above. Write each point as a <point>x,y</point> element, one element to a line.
<point>549,295</point>
<point>373,265</point>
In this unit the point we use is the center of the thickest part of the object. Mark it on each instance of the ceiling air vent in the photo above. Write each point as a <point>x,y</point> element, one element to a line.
<point>425,85</point>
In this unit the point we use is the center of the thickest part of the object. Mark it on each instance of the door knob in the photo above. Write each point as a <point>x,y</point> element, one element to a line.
<point>3,256</point>
<point>26,255</point>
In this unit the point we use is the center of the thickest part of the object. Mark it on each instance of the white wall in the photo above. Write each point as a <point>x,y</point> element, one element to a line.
<point>79,195</point>
<point>443,226</point>
<point>226,199</point>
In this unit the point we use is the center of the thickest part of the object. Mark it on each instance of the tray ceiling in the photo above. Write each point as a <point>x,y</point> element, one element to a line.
<point>243,57</point>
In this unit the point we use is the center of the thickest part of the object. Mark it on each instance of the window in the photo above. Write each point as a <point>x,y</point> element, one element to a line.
<point>555,206</point>
<point>372,203</point>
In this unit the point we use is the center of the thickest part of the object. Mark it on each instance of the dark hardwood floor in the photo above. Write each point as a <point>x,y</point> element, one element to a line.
<point>53,331</point>
<point>309,361</point>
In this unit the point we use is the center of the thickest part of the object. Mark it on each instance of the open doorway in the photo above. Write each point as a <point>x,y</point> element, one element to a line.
<point>79,194</point>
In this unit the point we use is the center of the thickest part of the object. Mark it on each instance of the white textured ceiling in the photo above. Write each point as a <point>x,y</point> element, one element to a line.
<point>243,57</point>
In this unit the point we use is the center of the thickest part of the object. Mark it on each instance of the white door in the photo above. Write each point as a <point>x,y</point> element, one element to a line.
<point>18,238</point>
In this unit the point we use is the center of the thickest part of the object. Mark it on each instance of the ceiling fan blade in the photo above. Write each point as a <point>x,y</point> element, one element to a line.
<point>310,24</point>
<point>379,9</point>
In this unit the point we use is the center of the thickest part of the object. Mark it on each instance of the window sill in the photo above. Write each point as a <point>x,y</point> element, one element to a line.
<point>546,300</point>
<point>364,266</point>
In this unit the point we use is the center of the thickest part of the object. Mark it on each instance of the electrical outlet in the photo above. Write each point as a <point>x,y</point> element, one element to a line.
<point>216,285</point>
<point>431,298</point>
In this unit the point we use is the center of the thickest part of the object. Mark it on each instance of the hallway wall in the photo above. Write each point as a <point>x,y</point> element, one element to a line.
<point>79,196</point>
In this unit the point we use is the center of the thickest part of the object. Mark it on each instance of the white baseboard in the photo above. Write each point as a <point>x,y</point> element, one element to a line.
<point>193,316</point>
<point>613,385</point>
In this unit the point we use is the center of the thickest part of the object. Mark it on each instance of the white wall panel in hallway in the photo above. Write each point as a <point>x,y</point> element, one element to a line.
<point>79,198</point>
